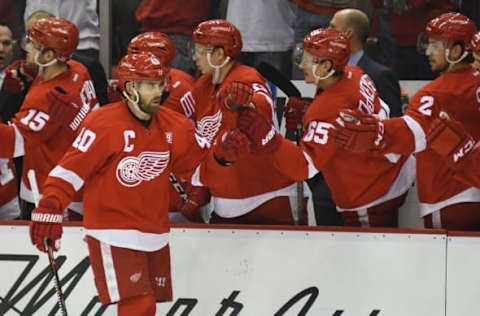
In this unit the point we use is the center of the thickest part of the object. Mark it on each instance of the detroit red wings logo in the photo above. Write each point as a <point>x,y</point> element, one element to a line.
<point>131,171</point>
<point>208,126</point>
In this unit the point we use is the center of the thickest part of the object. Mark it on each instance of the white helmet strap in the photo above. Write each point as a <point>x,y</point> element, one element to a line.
<point>133,104</point>
<point>216,74</point>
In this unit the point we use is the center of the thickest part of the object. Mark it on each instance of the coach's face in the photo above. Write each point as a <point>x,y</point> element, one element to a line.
<point>6,46</point>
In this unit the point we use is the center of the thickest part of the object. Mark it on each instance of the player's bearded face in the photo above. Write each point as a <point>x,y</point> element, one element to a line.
<point>150,95</point>
<point>436,55</point>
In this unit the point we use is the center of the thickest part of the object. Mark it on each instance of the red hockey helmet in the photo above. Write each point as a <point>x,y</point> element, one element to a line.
<point>328,44</point>
<point>219,33</point>
<point>57,34</point>
<point>155,42</point>
<point>452,27</point>
<point>144,66</point>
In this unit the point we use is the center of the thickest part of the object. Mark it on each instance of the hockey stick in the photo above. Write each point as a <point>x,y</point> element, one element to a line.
<point>178,187</point>
<point>53,266</point>
<point>278,79</point>
<point>183,195</point>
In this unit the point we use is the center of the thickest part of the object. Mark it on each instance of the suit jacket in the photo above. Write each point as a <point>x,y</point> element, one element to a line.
<point>385,81</point>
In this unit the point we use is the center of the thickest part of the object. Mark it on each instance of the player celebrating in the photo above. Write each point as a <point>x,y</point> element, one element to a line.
<point>251,190</point>
<point>368,188</point>
<point>122,159</point>
<point>178,97</point>
<point>45,126</point>
<point>444,201</point>
<point>180,84</point>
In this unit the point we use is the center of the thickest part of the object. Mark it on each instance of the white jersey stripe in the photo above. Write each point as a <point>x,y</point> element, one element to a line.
<point>110,276</point>
<point>418,133</point>
<point>19,149</point>
<point>312,170</point>
<point>69,176</point>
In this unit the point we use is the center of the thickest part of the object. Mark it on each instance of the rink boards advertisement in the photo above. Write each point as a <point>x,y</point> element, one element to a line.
<point>256,272</point>
<point>253,272</point>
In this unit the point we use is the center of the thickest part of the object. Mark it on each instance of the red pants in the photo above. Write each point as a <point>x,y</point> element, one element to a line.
<point>460,216</point>
<point>382,215</point>
<point>277,211</point>
<point>124,275</point>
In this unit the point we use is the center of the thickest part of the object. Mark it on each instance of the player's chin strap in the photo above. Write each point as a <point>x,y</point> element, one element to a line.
<point>453,62</point>
<point>134,107</point>
<point>318,78</point>
<point>216,74</point>
<point>41,66</point>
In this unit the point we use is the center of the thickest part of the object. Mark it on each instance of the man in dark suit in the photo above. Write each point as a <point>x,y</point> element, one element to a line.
<point>355,25</point>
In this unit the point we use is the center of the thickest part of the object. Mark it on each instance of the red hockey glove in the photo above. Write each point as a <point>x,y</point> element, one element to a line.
<point>197,197</point>
<point>357,131</point>
<point>66,109</point>
<point>114,91</point>
<point>18,76</point>
<point>46,224</point>
<point>231,146</point>
<point>294,111</point>
<point>449,139</point>
<point>261,133</point>
<point>235,95</point>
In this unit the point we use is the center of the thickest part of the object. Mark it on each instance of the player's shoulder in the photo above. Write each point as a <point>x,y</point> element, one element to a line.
<point>107,116</point>
<point>179,77</point>
<point>170,119</point>
<point>245,73</point>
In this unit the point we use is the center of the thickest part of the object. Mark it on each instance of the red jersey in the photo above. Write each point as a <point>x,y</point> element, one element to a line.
<point>123,167</point>
<point>9,208</point>
<point>180,98</point>
<point>455,92</point>
<point>357,180</point>
<point>33,135</point>
<point>251,180</point>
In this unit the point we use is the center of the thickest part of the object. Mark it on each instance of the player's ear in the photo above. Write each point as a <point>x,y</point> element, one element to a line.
<point>325,66</point>
<point>456,51</point>
<point>49,54</point>
<point>219,53</point>
<point>129,87</point>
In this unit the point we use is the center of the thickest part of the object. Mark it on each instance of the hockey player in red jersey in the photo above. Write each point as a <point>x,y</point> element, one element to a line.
<point>367,188</point>
<point>250,191</point>
<point>179,82</point>
<point>445,202</point>
<point>122,159</point>
<point>57,102</point>
<point>178,97</point>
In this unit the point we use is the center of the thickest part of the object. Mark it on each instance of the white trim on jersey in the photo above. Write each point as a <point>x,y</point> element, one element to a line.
<point>195,180</point>
<point>19,149</point>
<point>188,104</point>
<point>312,170</point>
<point>418,133</point>
<point>109,268</point>
<point>403,182</point>
<point>469,195</point>
<point>67,175</point>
